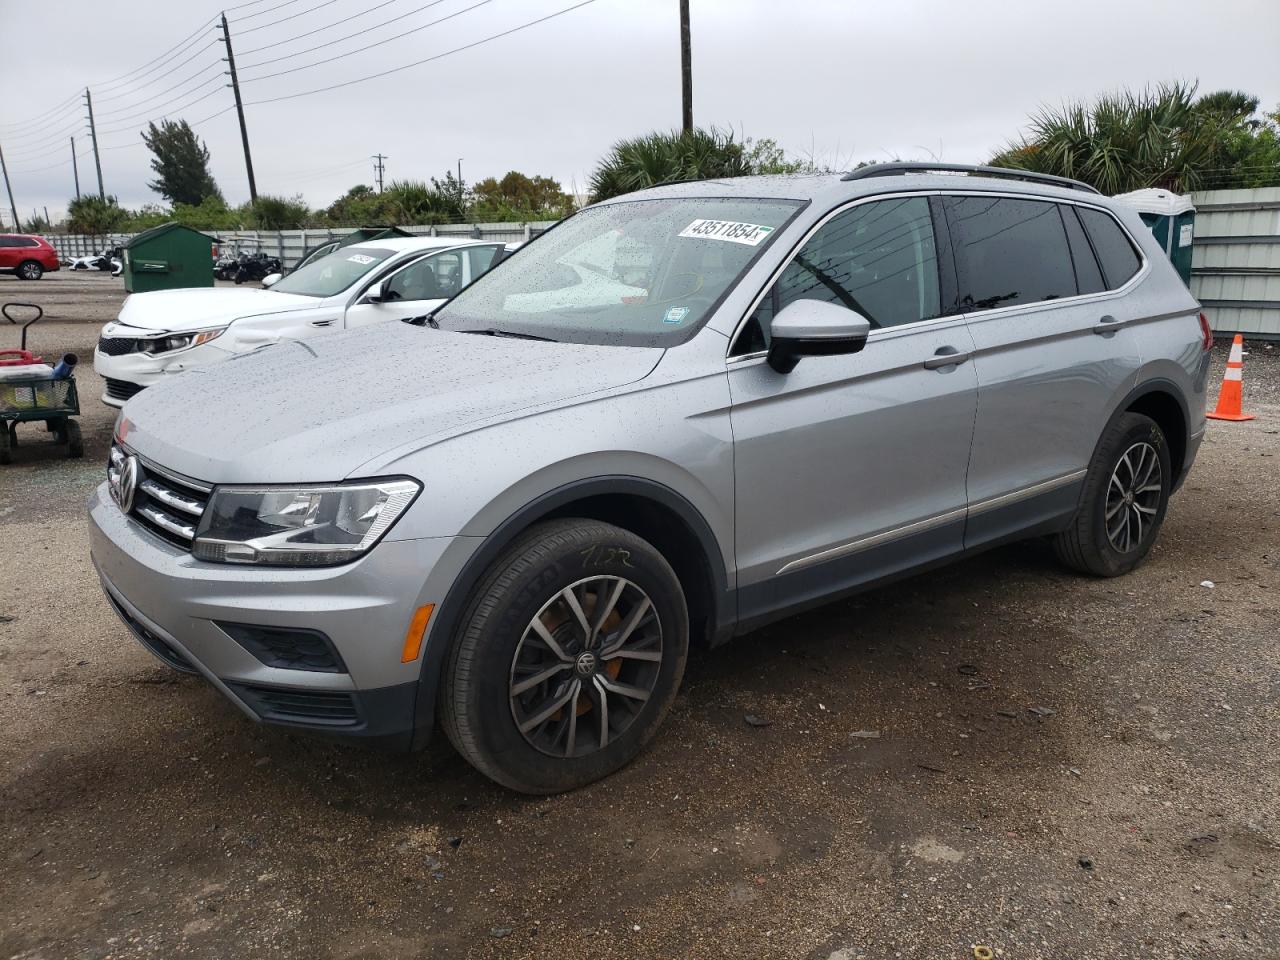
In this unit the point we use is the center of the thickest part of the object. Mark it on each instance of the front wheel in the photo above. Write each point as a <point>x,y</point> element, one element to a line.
<point>30,270</point>
<point>1126,495</point>
<point>567,659</point>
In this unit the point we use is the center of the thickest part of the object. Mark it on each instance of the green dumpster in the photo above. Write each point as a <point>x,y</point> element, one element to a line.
<point>167,257</point>
<point>1171,218</point>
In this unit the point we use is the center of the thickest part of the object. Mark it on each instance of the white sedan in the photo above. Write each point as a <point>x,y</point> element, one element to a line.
<point>165,332</point>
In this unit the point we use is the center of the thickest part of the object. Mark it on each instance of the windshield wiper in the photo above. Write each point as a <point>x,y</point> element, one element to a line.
<point>494,332</point>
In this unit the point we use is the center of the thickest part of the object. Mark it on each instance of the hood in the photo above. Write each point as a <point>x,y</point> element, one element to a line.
<point>194,309</point>
<point>315,410</point>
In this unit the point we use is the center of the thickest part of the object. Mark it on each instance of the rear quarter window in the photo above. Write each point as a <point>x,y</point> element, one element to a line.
<point>1115,252</point>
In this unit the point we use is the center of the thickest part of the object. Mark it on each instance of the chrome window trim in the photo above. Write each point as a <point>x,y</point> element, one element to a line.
<point>978,315</point>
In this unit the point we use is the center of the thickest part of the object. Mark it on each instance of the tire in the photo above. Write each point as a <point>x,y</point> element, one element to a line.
<point>6,453</point>
<point>1123,505</point>
<point>30,270</point>
<point>497,648</point>
<point>75,442</point>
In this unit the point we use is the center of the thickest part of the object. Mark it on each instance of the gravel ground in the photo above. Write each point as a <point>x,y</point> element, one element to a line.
<point>996,753</point>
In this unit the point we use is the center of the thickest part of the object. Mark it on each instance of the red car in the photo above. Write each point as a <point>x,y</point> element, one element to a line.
<point>28,257</point>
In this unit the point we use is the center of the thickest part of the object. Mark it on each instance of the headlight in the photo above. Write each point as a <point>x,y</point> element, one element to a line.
<point>179,341</point>
<point>304,526</point>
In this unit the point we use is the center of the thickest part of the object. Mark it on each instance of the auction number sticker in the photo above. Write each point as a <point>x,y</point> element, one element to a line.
<point>360,258</point>
<point>749,233</point>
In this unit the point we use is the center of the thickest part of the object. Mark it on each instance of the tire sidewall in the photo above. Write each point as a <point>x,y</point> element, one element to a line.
<point>494,639</point>
<point>1131,429</point>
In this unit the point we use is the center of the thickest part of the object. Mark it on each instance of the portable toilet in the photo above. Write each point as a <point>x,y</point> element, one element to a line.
<point>167,257</point>
<point>1171,218</point>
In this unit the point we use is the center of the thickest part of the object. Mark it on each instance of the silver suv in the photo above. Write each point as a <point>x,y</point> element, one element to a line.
<point>674,417</point>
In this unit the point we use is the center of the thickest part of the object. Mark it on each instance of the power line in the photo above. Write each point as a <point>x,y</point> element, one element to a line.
<point>75,99</point>
<point>43,120</point>
<point>289,19</point>
<point>41,147</point>
<point>418,63</point>
<point>132,94</point>
<point>327,26</point>
<point>128,123</point>
<point>262,13</point>
<point>241,6</point>
<point>154,64</point>
<point>376,26</point>
<point>203,83</point>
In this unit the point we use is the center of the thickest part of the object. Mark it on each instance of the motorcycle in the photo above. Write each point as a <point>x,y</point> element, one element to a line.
<point>255,266</point>
<point>105,260</point>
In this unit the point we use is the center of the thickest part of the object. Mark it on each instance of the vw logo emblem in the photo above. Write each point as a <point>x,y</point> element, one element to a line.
<point>126,484</point>
<point>586,664</point>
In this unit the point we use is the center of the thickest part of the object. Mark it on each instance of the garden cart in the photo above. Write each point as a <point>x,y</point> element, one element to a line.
<point>31,391</point>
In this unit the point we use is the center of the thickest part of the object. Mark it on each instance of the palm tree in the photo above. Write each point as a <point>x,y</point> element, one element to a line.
<point>1164,137</point>
<point>657,158</point>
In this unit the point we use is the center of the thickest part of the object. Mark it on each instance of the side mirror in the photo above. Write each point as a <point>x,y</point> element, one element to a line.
<point>381,293</point>
<point>271,278</point>
<point>814,328</point>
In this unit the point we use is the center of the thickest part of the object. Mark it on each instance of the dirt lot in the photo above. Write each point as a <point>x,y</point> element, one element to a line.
<point>998,753</point>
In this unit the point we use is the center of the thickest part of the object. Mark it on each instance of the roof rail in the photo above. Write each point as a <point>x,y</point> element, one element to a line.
<point>903,167</point>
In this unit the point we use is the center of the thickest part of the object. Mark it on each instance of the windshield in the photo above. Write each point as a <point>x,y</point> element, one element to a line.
<point>640,273</point>
<point>333,274</point>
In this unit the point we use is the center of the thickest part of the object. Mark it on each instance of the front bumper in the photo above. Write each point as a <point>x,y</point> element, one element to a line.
<point>143,370</point>
<point>174,605</point>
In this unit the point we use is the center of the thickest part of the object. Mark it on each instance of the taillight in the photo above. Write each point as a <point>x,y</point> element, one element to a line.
<point>1206,332</point>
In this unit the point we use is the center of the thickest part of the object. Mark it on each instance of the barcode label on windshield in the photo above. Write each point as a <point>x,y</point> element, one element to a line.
<point>749,233</point>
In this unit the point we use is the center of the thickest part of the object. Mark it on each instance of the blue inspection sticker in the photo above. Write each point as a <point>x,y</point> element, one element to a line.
<point>675,315</point>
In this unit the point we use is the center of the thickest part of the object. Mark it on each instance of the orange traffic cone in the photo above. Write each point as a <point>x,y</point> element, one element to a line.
<point>1229,398</point>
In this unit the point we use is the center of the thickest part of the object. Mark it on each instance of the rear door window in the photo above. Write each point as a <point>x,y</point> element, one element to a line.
<point>1009,251</point>
<point>1088,276</point>
<point>1116,254</point>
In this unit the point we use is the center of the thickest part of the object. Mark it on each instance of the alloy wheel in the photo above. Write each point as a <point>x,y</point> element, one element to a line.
<point>585,666</point>
<point>1133,497</point>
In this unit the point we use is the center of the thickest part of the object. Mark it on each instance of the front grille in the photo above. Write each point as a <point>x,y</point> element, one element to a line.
<point>286,647</point>
<point>121,389</point>
<point>117,346</point>
<point>164,504</point>
<point>311,708</point>
<point>161,648</point>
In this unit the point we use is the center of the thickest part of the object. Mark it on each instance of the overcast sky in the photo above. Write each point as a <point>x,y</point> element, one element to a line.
<point>842,80</point>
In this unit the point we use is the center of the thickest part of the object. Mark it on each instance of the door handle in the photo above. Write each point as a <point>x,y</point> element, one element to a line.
<point>1108,324</point>
<point>323,323</point>
<point>945,357</point>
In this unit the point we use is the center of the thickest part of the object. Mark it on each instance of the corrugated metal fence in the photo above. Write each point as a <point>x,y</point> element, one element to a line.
<point>289,245</point>
<point>1235,260</point>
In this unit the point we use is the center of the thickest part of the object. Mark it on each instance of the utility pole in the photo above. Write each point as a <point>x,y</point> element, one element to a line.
<point>378,167</point>
<point>460,171</point>
<point>46,217</point>
<point>75,167</point>
<point>244,131</point>
<point>13,207</point>
<point>93,134</point>
<point>686,68</point>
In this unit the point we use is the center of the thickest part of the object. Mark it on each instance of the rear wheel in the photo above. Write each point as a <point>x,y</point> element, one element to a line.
<point>6,451</point>
<point>1125,498</point>
<point>30,270</point>
<point>568,658</point>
